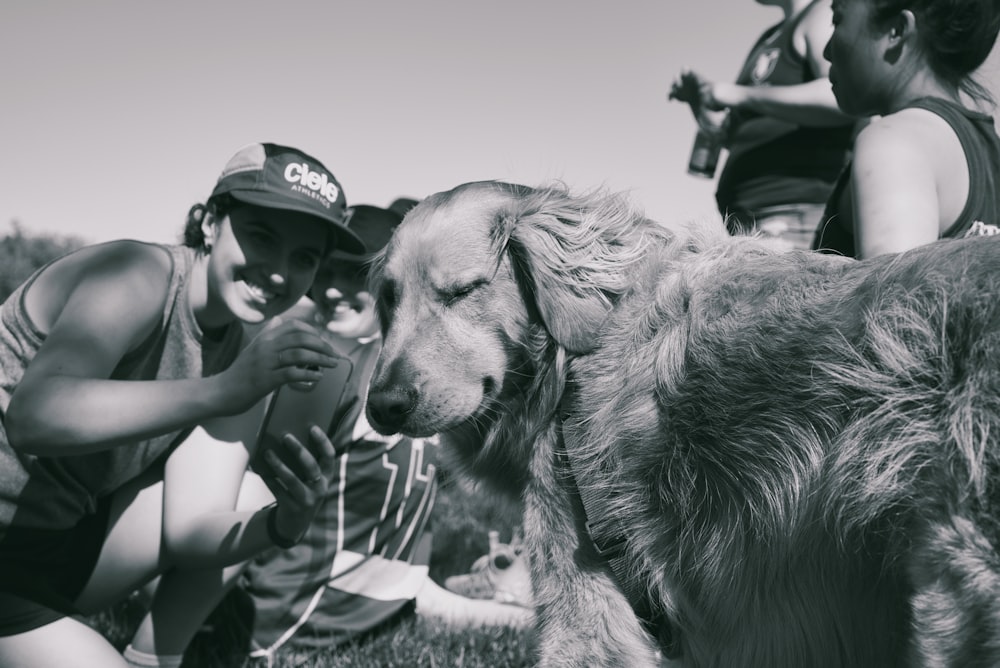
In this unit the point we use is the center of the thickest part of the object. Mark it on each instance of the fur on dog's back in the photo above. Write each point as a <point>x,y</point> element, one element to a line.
<point>800,451</point>
<point>794,421</point>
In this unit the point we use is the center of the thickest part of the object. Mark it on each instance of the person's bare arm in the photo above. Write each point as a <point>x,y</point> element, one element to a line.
<point>810,104</point>
<point>202,481</point>
<point>894,187</point>
<point>65,402</point>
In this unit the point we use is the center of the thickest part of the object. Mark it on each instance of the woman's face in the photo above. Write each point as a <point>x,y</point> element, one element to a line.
<point>856,59</point>
<point>261,263</point>
<point>341,295</point>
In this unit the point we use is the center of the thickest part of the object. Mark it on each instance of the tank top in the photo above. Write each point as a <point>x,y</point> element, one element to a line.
<point>56,492</point>
<point>772,161</point>
<point>981,213</point>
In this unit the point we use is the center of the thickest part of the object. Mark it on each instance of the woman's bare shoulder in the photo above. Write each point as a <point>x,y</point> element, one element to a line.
<point>123,255</point>
<point>907,135</point>
<point>124,266</point>
<point>908,123</point>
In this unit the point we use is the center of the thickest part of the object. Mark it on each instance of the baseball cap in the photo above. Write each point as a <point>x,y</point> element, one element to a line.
<point>373,225</point>
<point>281,177</point>
<point>403,204</point>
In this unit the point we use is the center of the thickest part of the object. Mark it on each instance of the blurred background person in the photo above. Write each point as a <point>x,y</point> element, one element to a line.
<point>401,205</point>
<point>787,140</point>
<point>929,166</point>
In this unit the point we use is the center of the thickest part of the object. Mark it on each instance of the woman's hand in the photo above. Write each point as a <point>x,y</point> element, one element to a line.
<point>686,88</point>
<point>703,96</point>
<point>298,476</point>
<point>283,352</point>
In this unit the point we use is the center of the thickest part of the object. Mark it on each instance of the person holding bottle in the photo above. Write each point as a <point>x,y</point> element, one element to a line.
<point>787,140</point>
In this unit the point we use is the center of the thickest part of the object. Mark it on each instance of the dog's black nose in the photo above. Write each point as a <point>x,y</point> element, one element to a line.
<point>387,409</point>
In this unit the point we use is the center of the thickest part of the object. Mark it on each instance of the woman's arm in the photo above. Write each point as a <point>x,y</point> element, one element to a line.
<point>894,187</point>
<point>65,404</point>
<point>810,104</point>
<point>202,481</point>
<point>100,309</point>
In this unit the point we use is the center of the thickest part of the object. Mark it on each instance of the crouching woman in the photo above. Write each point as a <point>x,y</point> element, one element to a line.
<point>109,357</point>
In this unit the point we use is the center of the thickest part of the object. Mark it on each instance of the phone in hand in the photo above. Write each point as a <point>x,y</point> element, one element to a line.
<point>293,408</point>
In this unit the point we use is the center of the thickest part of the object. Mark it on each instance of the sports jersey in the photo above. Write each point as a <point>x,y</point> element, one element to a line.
<point>981,213</point>
<point>366,554</point>
<point>772,161</point>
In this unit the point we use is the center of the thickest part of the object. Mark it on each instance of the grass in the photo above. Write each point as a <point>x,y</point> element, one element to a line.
<point>461,519</point>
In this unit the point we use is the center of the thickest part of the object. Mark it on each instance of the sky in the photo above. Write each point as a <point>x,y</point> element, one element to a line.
<point>118,115</point>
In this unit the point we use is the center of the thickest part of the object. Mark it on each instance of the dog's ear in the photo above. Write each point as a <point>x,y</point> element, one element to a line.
<point>571,307</point>
<point>573,256</point>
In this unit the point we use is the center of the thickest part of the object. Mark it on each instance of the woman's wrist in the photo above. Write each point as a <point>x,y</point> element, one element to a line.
<point>275,534</point>
<point>220,393</point>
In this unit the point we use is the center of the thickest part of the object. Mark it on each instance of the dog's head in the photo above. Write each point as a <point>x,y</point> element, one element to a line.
<point>477,283</point>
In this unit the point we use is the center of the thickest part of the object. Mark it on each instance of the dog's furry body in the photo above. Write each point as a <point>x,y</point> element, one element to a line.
<point>800,450</point>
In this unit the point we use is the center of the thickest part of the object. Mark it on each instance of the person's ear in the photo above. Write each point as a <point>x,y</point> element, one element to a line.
<point>209,228</point>
<point>903,26</point>
<point>902,30</point>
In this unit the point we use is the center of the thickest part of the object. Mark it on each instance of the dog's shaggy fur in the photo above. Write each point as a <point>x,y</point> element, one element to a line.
<point>800,450</point>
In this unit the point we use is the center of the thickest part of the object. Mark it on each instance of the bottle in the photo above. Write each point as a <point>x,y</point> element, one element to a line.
<point>705,154</point>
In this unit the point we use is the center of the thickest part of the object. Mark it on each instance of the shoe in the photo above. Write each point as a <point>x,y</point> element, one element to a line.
<point>501,575</point>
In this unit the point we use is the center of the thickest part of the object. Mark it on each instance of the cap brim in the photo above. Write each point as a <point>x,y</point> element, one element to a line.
<point>351,257</point>
<point>344,238</point>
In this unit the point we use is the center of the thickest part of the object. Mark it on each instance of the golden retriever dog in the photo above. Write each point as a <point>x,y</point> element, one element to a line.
<point>787,459</point>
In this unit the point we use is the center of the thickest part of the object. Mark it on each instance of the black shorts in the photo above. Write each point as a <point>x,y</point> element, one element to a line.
<point>43,571</point>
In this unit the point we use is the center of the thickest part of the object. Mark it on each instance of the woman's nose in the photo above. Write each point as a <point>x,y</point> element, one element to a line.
<point>278,268</point>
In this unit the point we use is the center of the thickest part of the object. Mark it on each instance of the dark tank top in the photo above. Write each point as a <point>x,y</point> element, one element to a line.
<point>979,216</point>
<point>771,161</point>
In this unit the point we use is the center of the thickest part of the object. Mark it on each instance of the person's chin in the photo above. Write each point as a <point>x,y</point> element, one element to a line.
<point>345,330</point>
<point>353,326</point>
<point>250,314</point>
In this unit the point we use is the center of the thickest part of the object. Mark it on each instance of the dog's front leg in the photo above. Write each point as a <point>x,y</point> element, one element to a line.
<point>584,619</point>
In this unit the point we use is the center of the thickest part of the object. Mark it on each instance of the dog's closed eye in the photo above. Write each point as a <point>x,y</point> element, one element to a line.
<point>455,294</point>
<point>386,298</point>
